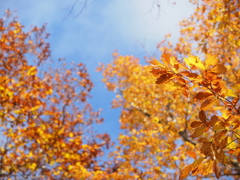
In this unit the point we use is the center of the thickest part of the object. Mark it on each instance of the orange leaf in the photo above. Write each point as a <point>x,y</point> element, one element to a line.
<point>213,120</point>
<point>196,124</point>
<point>219,69</point>
<point>156,63</point>
<point>163,78</point>
<point>202,116</point>
<point>185,172</point>
<point>156,72</point>
<point>192,154</point>
<point>216,169</point>
<point>202,95</point>
<point>207,104</point>
<point>189,74</point>
<point>166,58</point>
<point>198,131</point>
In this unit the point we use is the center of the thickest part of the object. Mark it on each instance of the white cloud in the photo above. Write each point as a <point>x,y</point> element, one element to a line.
<point>104,25</point>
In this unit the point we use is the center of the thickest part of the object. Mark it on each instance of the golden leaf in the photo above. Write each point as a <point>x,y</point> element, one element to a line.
<point>194,61</point>
<point>211,60</point>
<point>198,131</point>
<point>207,104</point>
<point>219,69</point>
<point>185,172</point>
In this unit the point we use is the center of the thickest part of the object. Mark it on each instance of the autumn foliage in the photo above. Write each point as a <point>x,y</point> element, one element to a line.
<point>179,113</point>
<point>45,117</point>
<point>182,118</point>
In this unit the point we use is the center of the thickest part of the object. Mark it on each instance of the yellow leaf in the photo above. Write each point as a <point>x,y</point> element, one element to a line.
<point>231,93</point>
<point>30,154</point>
<point>32,71</point>
<point>32,166</point>
<point>156,63</point>
<point>218,126</point>
<point>67,155</point>
<point>194,61</point>
<point>71,135</point>
<point>211,60</point>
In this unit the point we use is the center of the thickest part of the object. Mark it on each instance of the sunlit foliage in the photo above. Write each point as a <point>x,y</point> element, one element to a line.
<point>181,113</point>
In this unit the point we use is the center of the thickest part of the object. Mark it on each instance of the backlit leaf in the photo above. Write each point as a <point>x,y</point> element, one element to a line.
<point>208,104</point>
<point>219,69</point>
<point>211,60</point>
<point>192,154</point>
<point>198,131</point>
<point>194,61</point>
<point>202,95</point>
<point>164,78</point>
<point>196,124</point>
<point>185,172</point>
<point>213,120</point>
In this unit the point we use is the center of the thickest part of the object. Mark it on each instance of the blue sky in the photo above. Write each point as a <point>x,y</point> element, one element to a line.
<point>133,27</point>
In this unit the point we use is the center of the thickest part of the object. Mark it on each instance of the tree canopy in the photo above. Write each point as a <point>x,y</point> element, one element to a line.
<point>179,113</point>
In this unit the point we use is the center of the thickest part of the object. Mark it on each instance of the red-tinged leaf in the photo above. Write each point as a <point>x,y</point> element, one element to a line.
<point>206,148</point>
<point>198,131</point>
<point>181,80</point>
<point>202,95</point>
<point>202,116</point>
<point>192,154</point>
<point>208,104</point>
<point>189,74</point>
<point>213,120</point>
<point>216,169</point>
<point>185,172</point>
<point>164,78</point>
<point>195,124</point>
<point>231,151</point>
<point>166,58</point>
<point>185,93</point>
<point>156,72</point>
